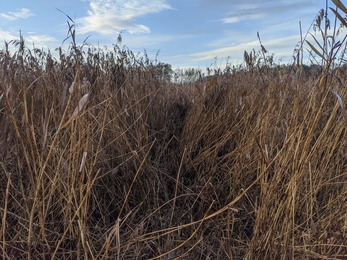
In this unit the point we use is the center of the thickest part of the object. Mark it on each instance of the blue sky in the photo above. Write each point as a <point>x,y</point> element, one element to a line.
<point>188,33</point>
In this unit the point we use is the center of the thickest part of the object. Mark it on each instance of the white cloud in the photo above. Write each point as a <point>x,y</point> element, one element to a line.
<point>7,36</point>
<point>112,16</point>
<point>266,10</point>
<point>282,47</point>
<point>145,41</point>
<point>231,20</point>
<point>40,41</point>
<point>21,14</point>
<point>245,12</point>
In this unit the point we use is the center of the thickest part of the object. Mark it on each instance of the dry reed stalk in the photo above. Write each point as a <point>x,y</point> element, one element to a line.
<point>145,172</point>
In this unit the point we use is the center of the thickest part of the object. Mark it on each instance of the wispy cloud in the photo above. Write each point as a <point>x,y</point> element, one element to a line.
<point>7,36</point>
<point>21,14</point>
<point>112,16</point>
<point>283,47</point>
<point>156,41</point>
<point>244,13</point>
<point>40,41</point>
<point>250,10</point>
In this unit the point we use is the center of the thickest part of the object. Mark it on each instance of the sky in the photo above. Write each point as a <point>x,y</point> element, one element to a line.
<point>186,33</point>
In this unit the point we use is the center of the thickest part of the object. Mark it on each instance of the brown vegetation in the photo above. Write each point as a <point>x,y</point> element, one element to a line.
<point>254,168</point>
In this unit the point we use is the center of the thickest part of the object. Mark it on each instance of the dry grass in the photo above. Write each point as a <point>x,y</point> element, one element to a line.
<point>252,167</point>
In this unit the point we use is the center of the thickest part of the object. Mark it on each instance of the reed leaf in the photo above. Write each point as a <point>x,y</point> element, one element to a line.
<point>342,20</point>
<point>316,51</point>
<point>340,5</point>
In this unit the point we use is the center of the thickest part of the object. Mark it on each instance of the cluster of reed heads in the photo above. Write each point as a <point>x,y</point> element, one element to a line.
<point>101,160</point>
